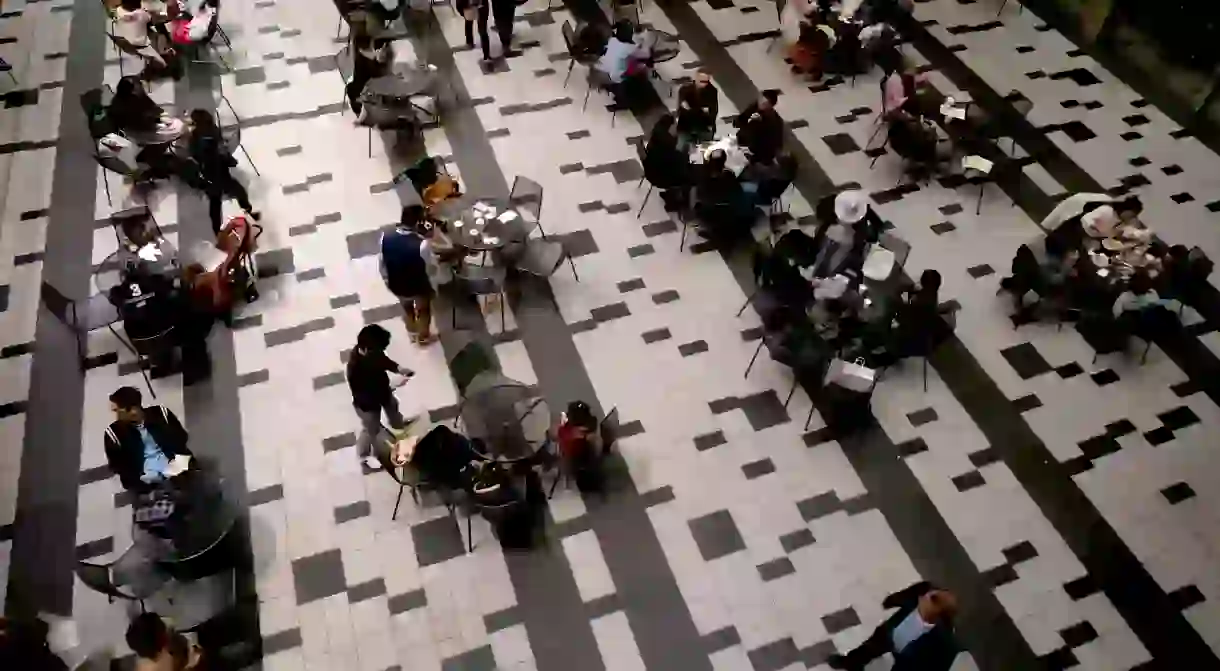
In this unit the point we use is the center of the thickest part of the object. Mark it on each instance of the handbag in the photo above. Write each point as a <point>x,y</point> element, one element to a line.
<point>851,375</point>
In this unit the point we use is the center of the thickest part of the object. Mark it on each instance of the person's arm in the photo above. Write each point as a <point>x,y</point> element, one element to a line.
<point>713,105</point>
<point>176,431</point>
<point>685,96</point>
<point>393,366</point>
<point>744,118</point>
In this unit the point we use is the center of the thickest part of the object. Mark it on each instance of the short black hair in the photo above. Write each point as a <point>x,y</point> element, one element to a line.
<point>580,414</point>
<point>771,96</point>
<point>929,280</point>
<point>127,398</point>
<point>147,635</point>
<point>411,216</point>
<point>373,337</point>
<point>1129,204</point>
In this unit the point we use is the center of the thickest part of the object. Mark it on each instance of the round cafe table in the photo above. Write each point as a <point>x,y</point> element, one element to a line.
<point>159,256</point>
<point>481,224</point>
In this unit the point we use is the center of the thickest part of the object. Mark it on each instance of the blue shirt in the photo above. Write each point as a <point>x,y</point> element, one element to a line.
<point>155,461</point>
<point>909,630</point>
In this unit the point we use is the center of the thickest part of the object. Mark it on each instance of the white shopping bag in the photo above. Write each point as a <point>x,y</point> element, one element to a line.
<point>879,264</point>
<point>851,375</point>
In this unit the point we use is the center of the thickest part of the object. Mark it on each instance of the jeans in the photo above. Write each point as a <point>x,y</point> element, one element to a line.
<point>419,316</point>
<point>220,187</point>
<point>370,425</point>
<point>483,13</point>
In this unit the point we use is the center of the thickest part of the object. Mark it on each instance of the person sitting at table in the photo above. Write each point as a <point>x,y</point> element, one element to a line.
<point>921,327</point>
<point>770,180</point>
<point>149,306</point>
<point>760,128</point>
<point>1026,276</point>
<point>622,53</point>
<point>665,165</point>
<point>370,59</point>
<point>915,142</point>
<point>1138,297</point>
<point>440,187</point>
<point>725,208</point>
<point>215,163</point>
<point>901,88</point>
<point>406,272</point>
<point>848,222</point>
<point>133,113</point>
<point>442,456</point>
<point>141,442</point>
<point>580,446</point>
<point>698,107</point>
<point>131,23</point>
<point>158,647</point>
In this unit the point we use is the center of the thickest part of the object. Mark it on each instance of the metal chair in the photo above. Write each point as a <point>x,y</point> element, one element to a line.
<point>7,69</point>
<point>470,362</point>
<point>141,576</point>
<point>526,197</point>
<point>541,258</point>
<point>601,81</point>
<point>574,55</point>
<point>406,477</point>
<point>230,131</point>
<point>1004,4</point>
<point>901,248</point>
<point>127,48</point>
<point>84,317</point>
<point>803,351</point>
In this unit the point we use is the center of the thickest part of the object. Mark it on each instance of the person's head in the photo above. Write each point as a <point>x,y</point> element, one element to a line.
<point>131,5</point>
<point>702,78</point>
<point>1128,209</point>
<point>1179,253</point>
<point>767,100</point>
<point>203,121</point>
<point>126,404</point>
<point>148,635</point>
<point>412,217</point>
<point>580,414</point>
<point>373,338</point>
<point>129,86</point>
<point>717,160</point>
<point>1140,284</point>
<point>624,31</point>
<point>938,606</point>
<point>929,281</point>
<point>663,127</point>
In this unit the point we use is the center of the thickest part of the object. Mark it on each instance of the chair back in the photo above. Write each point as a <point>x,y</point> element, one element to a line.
<point>542,257</point>
<point>526,196</point>
<point>779,9</point>
<point>600,80</point>
<point>607,429</point>
<point>901,248</point>
<point>93,104</point>
<point>569,39</point>
<point>468,364</point>
<point>482,281</point>
<point>97,578</point>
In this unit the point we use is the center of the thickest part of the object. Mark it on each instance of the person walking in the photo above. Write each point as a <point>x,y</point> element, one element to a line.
<point>476,11</point>
<point>216,167</point>
<point>505,12</point>
<point>919,633</point>
<point>368,370</point>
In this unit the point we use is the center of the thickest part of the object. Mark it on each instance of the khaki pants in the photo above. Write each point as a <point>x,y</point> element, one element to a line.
<point>418,316</point>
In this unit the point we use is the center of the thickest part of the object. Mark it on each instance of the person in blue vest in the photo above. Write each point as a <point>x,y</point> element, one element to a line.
<point>414,259</point>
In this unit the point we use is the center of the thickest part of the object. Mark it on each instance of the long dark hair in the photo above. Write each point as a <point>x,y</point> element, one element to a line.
<point>660,130</point>
<point>204,123</point>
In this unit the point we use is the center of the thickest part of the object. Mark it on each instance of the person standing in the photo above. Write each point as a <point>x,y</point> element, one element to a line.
<point>368,370</point>
<point>919,633</point>
<point>476,11</point>
<point>406,272</point>
<point>216,167</point>
<point>698,105</point>
<point>505,12</point>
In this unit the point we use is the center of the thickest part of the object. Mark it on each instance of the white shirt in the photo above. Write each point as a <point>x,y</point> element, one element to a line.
<point>1130,301</point>
<point>614,61</point>
<point>439,272</point>
<point>132,26</point>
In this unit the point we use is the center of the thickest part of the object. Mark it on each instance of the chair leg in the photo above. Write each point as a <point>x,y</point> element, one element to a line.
<point>469,537</point>
<point>925,374</point>
<point>572,265</point>
<point>809,417</point>
<point>979,206</point>
<point>746,304</point>
<point>106,183</point>
<point>753,358</point>
<point>242,147</point>
<point>415,496</point>
<point>792,391</point>
<point>370,142</point>
<point>646,195</point>
<point>571,64</point>
<point>1144,356</point>
<point>874,161</point>
<point>1002,6</point>
<point>558,475</point>
<point>396,502</point>
<point>682,242</point>
<point>586,103</point>
<point>503,309</point>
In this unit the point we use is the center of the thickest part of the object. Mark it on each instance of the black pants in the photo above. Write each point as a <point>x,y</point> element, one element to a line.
<point>875,646</point>
<point>505,11</point>
<point>220,186</point>
<point>484,40</point>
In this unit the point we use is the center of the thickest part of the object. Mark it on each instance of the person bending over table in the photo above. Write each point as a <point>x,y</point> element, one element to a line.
<point>698,107</point>
<point>760,128</point>
<point>370,60</point>
<point>665,165</point>
<point>141,442</point>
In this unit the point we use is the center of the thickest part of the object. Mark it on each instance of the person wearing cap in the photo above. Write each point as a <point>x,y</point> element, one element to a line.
<point>851,225</point>
<point>760,128</point>
<point>919,633</point>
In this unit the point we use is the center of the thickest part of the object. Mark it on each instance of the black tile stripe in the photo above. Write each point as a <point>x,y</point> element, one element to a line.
<point>986,630</point>
<point>1145,607</point>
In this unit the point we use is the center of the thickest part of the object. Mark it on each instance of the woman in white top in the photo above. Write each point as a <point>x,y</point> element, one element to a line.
<point>619,51</point>
<point>131,24</point>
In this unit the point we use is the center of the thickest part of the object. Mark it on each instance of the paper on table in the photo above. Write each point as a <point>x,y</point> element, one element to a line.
<point>952,112</point>
<point>977,163</point>
<point>149,252</point>
<point>178,465</point>
<point>507,217</point>
<point>491,240</point>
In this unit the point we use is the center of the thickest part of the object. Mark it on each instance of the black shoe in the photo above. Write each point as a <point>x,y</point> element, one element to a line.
<point>837,661</point>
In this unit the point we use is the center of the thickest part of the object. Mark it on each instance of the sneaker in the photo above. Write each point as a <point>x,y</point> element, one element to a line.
<point>370,462</point>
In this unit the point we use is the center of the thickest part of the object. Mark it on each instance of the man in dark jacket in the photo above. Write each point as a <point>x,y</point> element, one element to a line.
<point>698,105</point>
<point>760,128</point>
<point>919,633</point>
<point>141,442</point>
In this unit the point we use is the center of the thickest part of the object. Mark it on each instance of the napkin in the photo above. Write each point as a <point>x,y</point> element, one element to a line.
<point>507,217</point>
<point>178,465</point>
<point>150,252</point>
<point>977,163</point>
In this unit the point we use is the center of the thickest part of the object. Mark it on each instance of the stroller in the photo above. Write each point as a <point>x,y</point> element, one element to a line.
<point>226,270</point>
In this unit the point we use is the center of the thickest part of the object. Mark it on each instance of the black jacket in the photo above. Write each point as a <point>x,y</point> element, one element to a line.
<point>704,106</point>
<point>764,137</point>
<point>664,165</point>
<point>935,650</point>
<point>125,449</point>
<point>208,150</point>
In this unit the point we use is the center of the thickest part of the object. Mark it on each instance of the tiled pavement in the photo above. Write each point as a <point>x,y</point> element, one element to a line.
<point>740,543</point>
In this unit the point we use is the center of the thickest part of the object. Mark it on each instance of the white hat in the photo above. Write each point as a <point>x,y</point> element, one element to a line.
<point>1100,221</point>
<point>850,206</point>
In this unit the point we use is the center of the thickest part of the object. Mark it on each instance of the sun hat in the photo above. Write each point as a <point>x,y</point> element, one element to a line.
<point>850,206</point>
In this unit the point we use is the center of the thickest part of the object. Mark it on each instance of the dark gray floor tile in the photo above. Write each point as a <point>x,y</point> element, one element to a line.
<point>502,619</point>
<point>618,208</point>
<point>819,506</point>
<point>365,243</point>
<point>610,312</point>
<point>1027,402</point>
<point>382,313</point>
<point>479,659</point>
<point>578,243</point>
<point>921,417</point>
<point>249,76</point>
<point>692,348</point>
<point>338,442</point>
<point>985,456</point>
<point>721,639</point>
<point>303,229</point>
<point>275,262</point>
<point>265,495</point>
<point>657,496</point>
<point>1081,587</point>
<point>1026,360</point>
<point>667,296</point>
<point>980,271</point>
<point>1178,493</point>
<point>774,656</point>
<point>709,440</point>
<point>289,151</point>
<point>366,590</point>
<point>968,481</point>
<point>655,336</point>
<point>911,447</point>
<point>1078,634</point>
<point>1179,418</point>
<point>716,535</point>
<point>279,642</point>
<point>1186,597</point>
<point>344,301</point>
<point>437,541</point>
<point>311,274</point>
<point>631,285</point>
<point>841,143</point>
<point>318,576</point>
<point>95,474</point>
<point>1021,552</point>
<point>841,620</point>
<point>257,377</point>
<point>817,654</point>
<point>858,504</point>
<point>943,227</point>
<point>94,549</point>
<point>763,410</point>
<point>640,250</point>
<point>659,228</point>
<point>776,568</point>
<point>402,603</point>
<point>352,511</point>
<point>603,605</point>
<point>796,540</point>
<point>757,469</point>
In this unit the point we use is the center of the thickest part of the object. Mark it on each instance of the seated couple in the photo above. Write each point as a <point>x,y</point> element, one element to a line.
<point>445,457</point>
